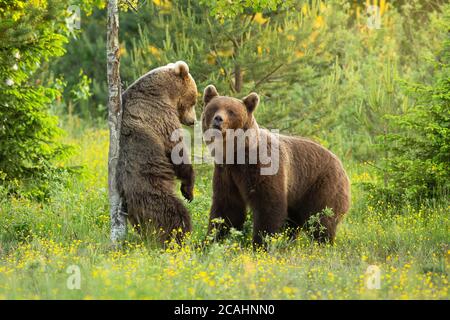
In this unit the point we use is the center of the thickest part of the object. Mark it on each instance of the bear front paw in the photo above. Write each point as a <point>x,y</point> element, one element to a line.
<point>187,191</point>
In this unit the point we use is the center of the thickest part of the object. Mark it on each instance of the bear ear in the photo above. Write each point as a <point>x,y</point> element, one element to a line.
<point>181,69</point>
<point>251,101</point>
<point>209,93</point>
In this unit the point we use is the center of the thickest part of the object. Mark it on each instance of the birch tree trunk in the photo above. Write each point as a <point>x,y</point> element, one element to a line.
<point>118,219</point>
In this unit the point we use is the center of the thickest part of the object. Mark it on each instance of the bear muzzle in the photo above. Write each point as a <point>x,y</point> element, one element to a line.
<point>189,118</point>
<point>217,122</point>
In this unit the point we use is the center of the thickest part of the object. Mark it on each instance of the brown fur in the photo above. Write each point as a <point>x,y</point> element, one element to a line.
<point>310,178</point>
<point>153,107</point>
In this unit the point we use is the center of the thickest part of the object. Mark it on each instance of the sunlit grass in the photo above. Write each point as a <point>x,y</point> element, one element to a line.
<point>39,241</point>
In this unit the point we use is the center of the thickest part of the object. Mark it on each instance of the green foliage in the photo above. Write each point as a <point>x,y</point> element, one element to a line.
<point>223,9</point>
<point>419,150</point>
<point>86,54</point>
<point>418,143</point>
<point>320,70</point>
<point>314,227</point>
<point>29,35</point>
<point>217,52</point>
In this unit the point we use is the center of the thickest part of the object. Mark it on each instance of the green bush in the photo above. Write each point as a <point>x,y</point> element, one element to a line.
<point>417,145</point>
<point>31,34</point>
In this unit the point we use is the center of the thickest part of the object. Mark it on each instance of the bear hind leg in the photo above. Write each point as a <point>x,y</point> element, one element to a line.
<point>269,216</point>
<point>163,215</point>
<point>321,209</point>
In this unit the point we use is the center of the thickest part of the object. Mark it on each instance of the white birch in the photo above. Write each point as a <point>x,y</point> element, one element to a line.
<point>118,218</point>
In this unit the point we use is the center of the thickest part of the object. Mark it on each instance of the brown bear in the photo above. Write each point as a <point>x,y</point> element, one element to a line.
<point>154,106</point>
<point>308,180</point>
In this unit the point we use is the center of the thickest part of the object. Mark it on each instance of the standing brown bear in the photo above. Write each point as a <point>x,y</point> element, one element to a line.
<point>308,179</point>
<point>154,106</point>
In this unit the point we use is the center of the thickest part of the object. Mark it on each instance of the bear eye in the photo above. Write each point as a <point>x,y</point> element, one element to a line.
<point>231,112</point>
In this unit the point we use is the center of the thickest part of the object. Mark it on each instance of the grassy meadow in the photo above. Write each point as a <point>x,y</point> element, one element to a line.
<point>367,79</point>
<point>41,242</point>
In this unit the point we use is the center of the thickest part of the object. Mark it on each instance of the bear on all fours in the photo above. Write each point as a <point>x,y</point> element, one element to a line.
<point>309,178</point>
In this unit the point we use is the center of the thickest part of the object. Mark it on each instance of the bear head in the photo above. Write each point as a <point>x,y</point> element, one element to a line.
<point>182,91</point>
<point>172,84</point>
<point>224,113</point>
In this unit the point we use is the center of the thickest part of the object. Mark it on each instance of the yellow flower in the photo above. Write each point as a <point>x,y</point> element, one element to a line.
<point>305,9</point>
<point>38,3</point>
<point>165,5</point>
<point>383,6</point>
<point>319,22</point>
<point>289,290</point>
<point>210,59</point>
<point>259,18</point>
<point>154,50</point>
<point>299,54</point>
<point>170,272</point>
<point>331,276</point>
<point>122,50</point>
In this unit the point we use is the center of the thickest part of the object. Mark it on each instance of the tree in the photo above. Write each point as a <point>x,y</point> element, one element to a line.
<point>223,9</point>
<point>260,48</point>
<point>118,218</point>
<point>30,34</point>
<point>418,144</point>
<point>240,26</point>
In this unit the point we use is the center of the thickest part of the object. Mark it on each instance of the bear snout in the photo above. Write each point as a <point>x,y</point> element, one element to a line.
<point>189,118</point>
<point>217,122</point>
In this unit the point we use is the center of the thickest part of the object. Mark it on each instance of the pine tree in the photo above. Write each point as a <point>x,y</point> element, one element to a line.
<point>30,33</point>
<point>418,146</point>
<point>253,47</point>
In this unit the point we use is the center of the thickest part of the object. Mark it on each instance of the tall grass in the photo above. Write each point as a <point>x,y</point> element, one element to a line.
<point>40,241</point>
<point>344,84</point>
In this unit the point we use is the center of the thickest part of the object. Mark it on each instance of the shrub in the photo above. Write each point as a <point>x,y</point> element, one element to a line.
<point>31,33</point>
<point>417,147</point>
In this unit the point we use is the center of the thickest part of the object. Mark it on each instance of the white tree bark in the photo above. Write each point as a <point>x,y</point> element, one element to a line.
<point>118,219</point>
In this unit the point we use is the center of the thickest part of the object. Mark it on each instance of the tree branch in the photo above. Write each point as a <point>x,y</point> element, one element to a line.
<point>267,76</point>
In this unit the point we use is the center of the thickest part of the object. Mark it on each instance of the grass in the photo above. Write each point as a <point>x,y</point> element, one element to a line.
<point>39,242</point>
